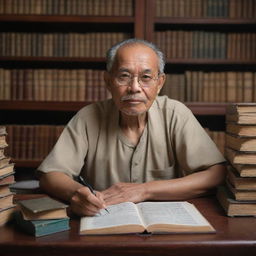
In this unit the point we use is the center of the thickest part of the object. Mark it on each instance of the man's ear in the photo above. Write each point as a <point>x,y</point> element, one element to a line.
<point>161,82</point>
<point>107,80</point>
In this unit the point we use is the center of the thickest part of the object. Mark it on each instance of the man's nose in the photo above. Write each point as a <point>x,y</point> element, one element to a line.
<point>135,85</point>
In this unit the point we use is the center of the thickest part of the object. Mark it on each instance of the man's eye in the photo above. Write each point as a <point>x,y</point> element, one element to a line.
<point>146,77</point>
<point>124,75</point>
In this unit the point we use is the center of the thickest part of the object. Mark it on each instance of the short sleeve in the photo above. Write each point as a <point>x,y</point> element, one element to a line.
<point>69,152</point>
<point>195,150</point>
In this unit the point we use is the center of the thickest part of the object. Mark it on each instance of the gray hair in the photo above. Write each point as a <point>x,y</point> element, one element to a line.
<point>111,53</point>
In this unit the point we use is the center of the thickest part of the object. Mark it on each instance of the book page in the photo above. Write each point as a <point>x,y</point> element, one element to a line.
<point>177,213</point>
<point>119,215</point>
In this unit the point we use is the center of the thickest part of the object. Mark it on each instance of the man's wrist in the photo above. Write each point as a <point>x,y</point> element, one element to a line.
<point>146,191</point>
<point>74,191</point>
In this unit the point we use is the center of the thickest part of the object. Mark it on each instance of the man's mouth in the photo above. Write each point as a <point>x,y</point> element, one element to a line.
<point>133,100</point>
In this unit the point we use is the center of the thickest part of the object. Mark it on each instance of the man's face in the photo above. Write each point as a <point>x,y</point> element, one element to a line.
<point>137,62</point>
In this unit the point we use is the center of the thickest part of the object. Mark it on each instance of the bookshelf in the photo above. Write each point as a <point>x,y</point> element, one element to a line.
<point>142,20</point>
<point>203,39</point>
<point>27,25</point>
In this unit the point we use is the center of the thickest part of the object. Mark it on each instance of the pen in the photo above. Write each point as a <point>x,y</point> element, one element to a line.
<point>82,181</point>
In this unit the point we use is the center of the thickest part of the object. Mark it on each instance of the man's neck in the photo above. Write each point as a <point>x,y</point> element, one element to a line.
<point>133,126</point>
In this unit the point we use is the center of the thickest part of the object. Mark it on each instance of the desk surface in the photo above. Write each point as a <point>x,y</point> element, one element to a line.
<point>234,236</point>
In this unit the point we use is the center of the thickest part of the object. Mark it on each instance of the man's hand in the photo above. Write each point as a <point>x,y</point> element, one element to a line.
<point>84,202</point>
<point>124,192</point>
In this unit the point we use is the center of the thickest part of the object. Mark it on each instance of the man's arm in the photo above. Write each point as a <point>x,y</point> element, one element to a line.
<point>184,188</point>
<point>81,200</point>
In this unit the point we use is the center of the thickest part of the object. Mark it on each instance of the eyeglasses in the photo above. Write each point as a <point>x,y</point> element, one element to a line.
<point>145,80</point>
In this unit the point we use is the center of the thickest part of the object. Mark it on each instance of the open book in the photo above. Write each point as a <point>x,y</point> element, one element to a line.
<point>155,217</point>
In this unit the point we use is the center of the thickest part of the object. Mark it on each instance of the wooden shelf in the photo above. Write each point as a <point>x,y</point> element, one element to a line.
<point>102,60</point>
<point>205,21</point>
<point>52,59</point>
<point>42,105</point>
<point>198,108</point>
<point>26,163</point>
<point>192,62</point>
<point>201,108</point>
<point>66,19</point>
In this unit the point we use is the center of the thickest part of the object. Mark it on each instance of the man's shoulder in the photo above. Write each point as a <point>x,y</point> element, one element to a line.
<point>166,104</point>
<point>97,108</point>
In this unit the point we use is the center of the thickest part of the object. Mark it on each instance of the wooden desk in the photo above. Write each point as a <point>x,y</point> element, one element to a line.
<point>235,236</point>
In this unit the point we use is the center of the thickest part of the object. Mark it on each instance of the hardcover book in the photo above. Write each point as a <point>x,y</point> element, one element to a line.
<point>4,161</point>
<point>25,187</point>
<point>6,170</point>
<point>6,200</point>
<point>241,195</point>
<point>39,228</point>
<point>241,130</point>
<point>247,118</point>
<point>241,143</point>
<point>6,214</point>
<point>42,208</point>
<point>241,113</point>
<point>246,170</point>
<point>3,130</point>
<point>238,157</point>
<point>3,142</point>
<point>4,189</point>
<point>153,217</point>
<point>241,108</point>
<point>242,183</point>
<point>234,207</point>
<point>7,179</point>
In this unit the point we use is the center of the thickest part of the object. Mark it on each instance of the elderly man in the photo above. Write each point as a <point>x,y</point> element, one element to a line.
<point>134,147</point>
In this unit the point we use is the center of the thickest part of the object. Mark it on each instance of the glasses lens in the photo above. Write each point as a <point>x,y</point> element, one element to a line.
<point>144,80</point>
<point>123,79</point>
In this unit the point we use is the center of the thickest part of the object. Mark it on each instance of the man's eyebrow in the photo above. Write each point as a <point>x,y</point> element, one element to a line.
<point>123,70</point>
<point>147,70</point>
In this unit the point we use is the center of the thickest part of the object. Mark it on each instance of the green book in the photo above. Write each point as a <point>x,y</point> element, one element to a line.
<point>39,228</point>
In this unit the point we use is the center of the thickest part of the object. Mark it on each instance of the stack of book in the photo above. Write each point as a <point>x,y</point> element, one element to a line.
<point>6,179</point>
<point>238,196</point>
<point>42,216</point>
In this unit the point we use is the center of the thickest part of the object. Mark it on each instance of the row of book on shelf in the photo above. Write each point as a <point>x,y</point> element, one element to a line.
<point>164,8</point>
<point>206,8</point>
<point>91,44</point>
<point>52,85</point>
<point>68,7</point>
<point>88,85</point>
<point>34,142</point>
<point>174,43</point>
<point>206,44</point>
<point>238,195</point>
<point>199,86</point>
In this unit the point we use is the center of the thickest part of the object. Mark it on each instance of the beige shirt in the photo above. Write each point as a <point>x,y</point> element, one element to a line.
<point>173,144</point>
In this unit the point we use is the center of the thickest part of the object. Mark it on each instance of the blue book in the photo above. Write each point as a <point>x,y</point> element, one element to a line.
<point>39,228</point>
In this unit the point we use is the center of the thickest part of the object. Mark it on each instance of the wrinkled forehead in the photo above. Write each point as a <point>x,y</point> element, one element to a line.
<point>136,57</point>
